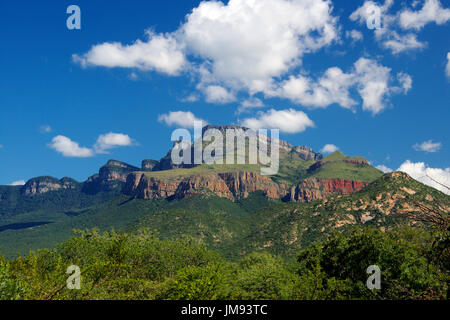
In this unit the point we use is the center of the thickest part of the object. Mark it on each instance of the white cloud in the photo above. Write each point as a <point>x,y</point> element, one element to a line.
<point>289,121</point>
<point>190,98</point>
<point>248,43</point>
<point>390,34</point>
<point>405,81</point>
<point>355,35</point>
<point>447,69</point>
<point>179,118</point>
<point>111,140</point>
<point>69,148</point>
<point>371,79</point>
<point>400,43</point>
<point>332,87</point>
<point>373,84</point>
<point>161,52</point>
<point>428,146</point>
<point>105,142</point>
<point>421,172</point>
<point>362,14</point>
<point>18,183</point>
<point>218,94</point>
<point>254,46</point>
<point>329,148</point>
<point>383,168</point>
<point>242,45</point>
<point>432,11</point>
<point>250,103</point>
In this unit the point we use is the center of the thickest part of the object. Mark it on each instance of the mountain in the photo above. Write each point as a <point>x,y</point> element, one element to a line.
<point>111,177</point>
<point>233,208</point>
<point>235,226</point>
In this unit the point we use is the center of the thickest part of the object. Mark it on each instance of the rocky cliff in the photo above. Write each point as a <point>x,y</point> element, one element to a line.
<point>234,185</point>
<point>42,185</point>
<point>314,189</point>
<point>229,185</point>
<point>111,177</point>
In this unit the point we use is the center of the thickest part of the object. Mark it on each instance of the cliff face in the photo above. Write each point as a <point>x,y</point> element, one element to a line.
<point>233,185</point>
<point>110,177</point>
<point>42,185</point>
<point>229,185</point>
<point>314,189</point>
<point>307,153</point>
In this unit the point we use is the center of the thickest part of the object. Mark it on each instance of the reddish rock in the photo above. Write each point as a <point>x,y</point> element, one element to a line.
<point>229,185</point>
<point>314,189</point>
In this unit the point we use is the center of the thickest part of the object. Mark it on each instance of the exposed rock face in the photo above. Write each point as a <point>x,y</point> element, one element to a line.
<point>314,189</point>
<point>116,170</point>
<point>229,185</point>
<point>42,185</point>
<point>306,153</point>
<point>166,163</point>
<point>358,162</point>
<point>111,177</point>
<point>233,185</point>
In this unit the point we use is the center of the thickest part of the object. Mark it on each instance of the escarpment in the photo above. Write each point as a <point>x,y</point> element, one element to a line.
<point>231,185</point>
<point>315,189</point>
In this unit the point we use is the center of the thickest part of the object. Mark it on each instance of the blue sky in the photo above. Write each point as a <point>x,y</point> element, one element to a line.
<point>72,99</point>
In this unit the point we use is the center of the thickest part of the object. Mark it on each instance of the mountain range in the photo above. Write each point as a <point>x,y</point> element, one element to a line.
<point>233,208</point>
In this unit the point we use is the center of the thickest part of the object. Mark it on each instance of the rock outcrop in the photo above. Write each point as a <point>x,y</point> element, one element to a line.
<point>230,185</point>
<point>46,184</point>
<point>234,185</point>
<point>358,161</point>
<point>111,177</point>
<point>314,189</point>
<point>306,153</point>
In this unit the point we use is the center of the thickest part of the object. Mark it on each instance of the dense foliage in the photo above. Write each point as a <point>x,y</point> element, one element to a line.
<point>139,265</point>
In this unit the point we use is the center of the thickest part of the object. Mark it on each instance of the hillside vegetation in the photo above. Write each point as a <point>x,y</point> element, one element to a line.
<point>140,266</point>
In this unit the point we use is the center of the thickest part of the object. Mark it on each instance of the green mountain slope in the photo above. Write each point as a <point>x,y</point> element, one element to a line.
<point>235,228</point>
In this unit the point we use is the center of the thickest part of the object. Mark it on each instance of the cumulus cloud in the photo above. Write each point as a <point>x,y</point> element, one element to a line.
<point>256,46</point>
<point>373,84</point>
<point>432,11</point>
<point>218,94</point>
<point>250,103</point>
<point>332,87</point>
<point>105,142</point>
<point>329,148</point>
<point>289,121</point>
<point>447,69</point>
<point>18,183</point>
<point>400,43</point>
<point>354,35</point>
<point>241,45</point>
<point>69,148</point>
<point>405,81</point>
<point>111,140</point>
<point>371,79</point>
<point>393,35</point>
<point>160,52</point>
<point>250,42</point>
<point>383,168</point>
<point>433,177</point>
<point>428,146</point>
<point>184,119</point>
